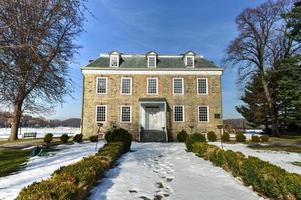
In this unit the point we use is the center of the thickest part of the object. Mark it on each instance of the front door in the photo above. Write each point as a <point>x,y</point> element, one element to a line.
<point>153,118</point>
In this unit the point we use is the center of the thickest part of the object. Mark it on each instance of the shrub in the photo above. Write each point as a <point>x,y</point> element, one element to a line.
<point>182,136</point>
<point>48,138</point>
<point>64,138</point>
<point>119,135</point>
<point>211,136</point>
<point>255,138</point>
<point>196,137</point>
<point>264,138</point>
<point>226,137</point>
<point>93,138</point>
<point>78,138</point>
<point>240,137</point>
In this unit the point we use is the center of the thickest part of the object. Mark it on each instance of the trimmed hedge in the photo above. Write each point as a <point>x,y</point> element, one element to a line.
<point>240,137</point>
<point>182,136</point>
<point>93,138</point>
<point>48,138</point>
<point>255,138</point>
<point>226,137</point>
<point>264,138</point>
<point>119,135</point>
<point>196,137</point>
<point>78,138</point>
<point>75,181</point>
<point>211,136</point>
<point>65,138</point>
<point>265,178</point>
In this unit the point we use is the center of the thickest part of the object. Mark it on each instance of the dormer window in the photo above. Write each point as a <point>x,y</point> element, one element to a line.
<point>189,59</point>
<point>151,61</point>
<point>114,59</point>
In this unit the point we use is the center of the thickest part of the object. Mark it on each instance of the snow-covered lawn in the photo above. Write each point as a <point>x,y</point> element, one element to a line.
<point>282,159</point>
<point>57,131</point>
<point>39,168</point>
<point>166,169</point>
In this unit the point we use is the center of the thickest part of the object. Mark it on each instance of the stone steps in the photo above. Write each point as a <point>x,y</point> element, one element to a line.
<point>153,136</point>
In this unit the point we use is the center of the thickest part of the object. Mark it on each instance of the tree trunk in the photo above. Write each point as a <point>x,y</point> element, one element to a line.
<point>15,121</point>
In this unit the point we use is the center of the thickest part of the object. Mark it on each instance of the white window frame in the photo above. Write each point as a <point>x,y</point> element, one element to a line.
<point>97,79</point>
<point>121,114</point>
<point>186,59</point>
<point>131,86</point>
<point>174,114</point>
<point>157,86</point>
<point>111,60</point>
<point>148,58</point>
<point>197,85</point>
<point>173,86</point>
<point>106,114</point>
<point>207,114</point>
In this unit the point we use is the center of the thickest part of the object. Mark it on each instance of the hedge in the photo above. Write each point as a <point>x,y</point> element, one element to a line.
<point>75,181</point>
<point>265,178</point>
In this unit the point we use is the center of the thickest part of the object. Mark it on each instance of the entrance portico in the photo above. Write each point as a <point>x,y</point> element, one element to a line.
<point>152,116</point>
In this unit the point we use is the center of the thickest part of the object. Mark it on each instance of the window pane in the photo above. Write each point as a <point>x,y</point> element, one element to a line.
<point>179,113</point>
<point>203,114</point>
<point>126,86</point>
<point>202,86</point>
<point>151,61</point>
<point>102,85</point>
<point>101,114</point>
<point>152,86</point>
<point>114,61</point>
<point>178,86</point>
<point>189,61</point>
<point>126,114</point>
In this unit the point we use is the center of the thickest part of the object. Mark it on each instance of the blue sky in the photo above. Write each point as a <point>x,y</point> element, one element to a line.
<point>166,26</point>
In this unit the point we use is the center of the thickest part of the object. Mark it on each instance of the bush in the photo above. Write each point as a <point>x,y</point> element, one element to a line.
<point>48,138</point>
<point>75,181</point>
<point>64,138</point>
<point>226,137</point>
<point>78,138</point>
<point>264,138</point>
<point>265,178</point>
<point>196,137</point>
<point>93,138</point>
<point>240,137</point>
<point>211,136</point>
<point>255,138</point>
<point>182,136</point>
<point>119,135</point>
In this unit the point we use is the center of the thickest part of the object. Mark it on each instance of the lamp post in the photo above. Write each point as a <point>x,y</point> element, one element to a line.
<point>98,131</point>
<point>220,127</point>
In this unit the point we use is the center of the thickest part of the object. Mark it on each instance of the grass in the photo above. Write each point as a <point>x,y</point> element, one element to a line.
<point>297,163</point>
<point>12,161</point>
<point>274,147</point>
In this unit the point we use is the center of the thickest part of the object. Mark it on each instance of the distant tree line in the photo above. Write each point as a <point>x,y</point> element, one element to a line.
<point>267,52</point>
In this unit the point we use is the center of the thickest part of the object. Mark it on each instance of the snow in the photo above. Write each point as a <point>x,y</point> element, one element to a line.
<point>279,158</point>
<point>57,131</point>
<point>39,168</point>
<point>167,169</point>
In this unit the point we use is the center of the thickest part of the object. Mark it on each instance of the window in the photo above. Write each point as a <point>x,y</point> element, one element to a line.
<point>101,87</point>
<point>189,61</point>
<point>152,86</point>
<point>178,113</point>
<point>203,114</point>
<point>178,86</point>
<point>114,61</point>
<point>202,86</point>
<point>126,114</point>
<point>152,61</point>
<point>126,85</point>
<point>101,113</point>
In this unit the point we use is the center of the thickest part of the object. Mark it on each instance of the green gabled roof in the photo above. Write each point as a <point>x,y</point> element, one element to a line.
<point>140,61</point>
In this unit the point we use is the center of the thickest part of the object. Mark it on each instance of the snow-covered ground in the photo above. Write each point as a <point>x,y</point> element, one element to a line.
<point>166,169</point>
<point>57,131</point>
<point>39,168</point>
<point>282,159</point>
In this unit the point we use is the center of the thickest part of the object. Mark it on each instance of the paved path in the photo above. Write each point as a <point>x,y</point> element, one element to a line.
<point>167,171</point>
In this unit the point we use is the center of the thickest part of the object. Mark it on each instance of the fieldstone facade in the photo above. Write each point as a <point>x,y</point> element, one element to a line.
<point>114,99</point>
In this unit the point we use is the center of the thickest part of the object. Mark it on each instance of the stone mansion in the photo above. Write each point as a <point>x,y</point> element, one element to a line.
<point>153,96</point>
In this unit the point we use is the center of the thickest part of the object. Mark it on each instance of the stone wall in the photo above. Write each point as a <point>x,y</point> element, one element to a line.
<point>191,100</point>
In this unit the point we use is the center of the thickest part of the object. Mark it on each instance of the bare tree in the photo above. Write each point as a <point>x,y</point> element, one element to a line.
<point>261,46</point>
<point>36,46</point>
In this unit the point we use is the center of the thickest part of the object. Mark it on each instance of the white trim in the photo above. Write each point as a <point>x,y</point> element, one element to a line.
<point>157,85</point>
<point>197,86</point>
<point>207,114</point>
<point>106,114</point>
<point>131,85</point>
<point>111,58</point>
<point>174,113</point>
<point>121,114</point>
<point>173,86</point>
<point>186,58</point>
<point>148,57</point>
<point>203,72</point>
<point>96,92</point>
